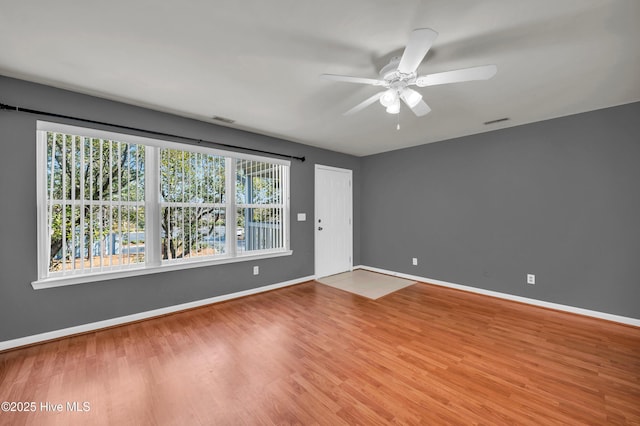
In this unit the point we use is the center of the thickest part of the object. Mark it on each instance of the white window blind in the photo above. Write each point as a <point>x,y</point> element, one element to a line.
<point>95,204</point>
<point>260,206</point>
<point>112,202</point>
<point>192,208</point>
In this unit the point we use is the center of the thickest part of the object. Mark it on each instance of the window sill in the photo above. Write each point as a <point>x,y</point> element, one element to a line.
<point>111,275</point>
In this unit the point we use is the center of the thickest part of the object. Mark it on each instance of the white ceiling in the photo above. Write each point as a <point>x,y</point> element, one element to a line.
<point>258,62</point>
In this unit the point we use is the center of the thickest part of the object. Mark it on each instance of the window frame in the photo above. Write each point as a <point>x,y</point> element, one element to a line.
<point>153,261</point>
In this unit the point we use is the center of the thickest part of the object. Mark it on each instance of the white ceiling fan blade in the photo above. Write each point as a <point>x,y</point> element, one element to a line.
<point>419,44</point>
<point>483,72</point>
<point>362,105</point>
<point>420,109</point>
<point>349,79</point>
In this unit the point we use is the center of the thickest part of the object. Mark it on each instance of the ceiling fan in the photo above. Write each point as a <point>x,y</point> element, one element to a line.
<point>400,73</point>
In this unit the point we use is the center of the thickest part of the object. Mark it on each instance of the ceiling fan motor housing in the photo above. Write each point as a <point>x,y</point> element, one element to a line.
<point>391,74</point>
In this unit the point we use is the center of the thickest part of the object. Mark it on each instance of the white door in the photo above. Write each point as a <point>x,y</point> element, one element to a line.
<point>333,224</point>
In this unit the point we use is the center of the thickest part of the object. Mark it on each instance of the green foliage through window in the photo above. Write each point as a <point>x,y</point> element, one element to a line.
<point>97,207</point>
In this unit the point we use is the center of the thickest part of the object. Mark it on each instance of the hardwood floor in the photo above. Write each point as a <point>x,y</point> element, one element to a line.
<point>312,354</point>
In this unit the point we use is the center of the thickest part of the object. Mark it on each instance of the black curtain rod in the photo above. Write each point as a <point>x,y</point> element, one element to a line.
<point>200,141</point>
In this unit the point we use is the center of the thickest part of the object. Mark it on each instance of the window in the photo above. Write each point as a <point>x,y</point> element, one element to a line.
<point>120,204</point>
<point>260,206</point>
<point>192,205</point>
<point>95,202</point>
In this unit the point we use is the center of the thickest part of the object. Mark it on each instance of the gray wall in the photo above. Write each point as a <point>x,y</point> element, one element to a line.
<point>24,311</point>
<point>559,199</point>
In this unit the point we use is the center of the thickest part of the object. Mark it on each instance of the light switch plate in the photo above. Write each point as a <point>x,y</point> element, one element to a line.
<point>302,217</point>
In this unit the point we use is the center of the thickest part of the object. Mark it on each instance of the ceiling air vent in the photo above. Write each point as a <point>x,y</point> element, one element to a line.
<point>223,120</point>
<point>496,121</point>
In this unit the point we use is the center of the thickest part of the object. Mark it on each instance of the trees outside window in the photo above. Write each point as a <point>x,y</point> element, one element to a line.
<point>111,202</point>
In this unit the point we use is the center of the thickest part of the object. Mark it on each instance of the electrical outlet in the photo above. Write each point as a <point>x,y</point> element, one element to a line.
<point>415,261</point>
<point>531,279</point>
<point>256,270</point>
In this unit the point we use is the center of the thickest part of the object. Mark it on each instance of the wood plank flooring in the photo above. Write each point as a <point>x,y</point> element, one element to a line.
<point>311,354</point>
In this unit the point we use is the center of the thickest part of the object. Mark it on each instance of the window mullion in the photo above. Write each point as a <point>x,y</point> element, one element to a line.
<point>152,244</point>
<point>64,205</point>
<point>72,196</point>
<point>231,214</point>
<point>81,183</point>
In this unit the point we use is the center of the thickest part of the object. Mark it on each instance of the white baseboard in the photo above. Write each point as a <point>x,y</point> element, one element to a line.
<point>56,334</point>
<point>84,328</point>
<point>595,314</point>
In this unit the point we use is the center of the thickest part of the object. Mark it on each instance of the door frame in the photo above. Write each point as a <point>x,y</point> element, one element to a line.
<point>349,172</point>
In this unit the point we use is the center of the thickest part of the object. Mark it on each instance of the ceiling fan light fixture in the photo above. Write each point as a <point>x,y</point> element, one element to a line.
<point>388,98</point>
<point>394,108</point>
<point>411,97</point>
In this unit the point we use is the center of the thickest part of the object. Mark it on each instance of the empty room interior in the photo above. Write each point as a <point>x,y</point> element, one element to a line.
<point>298,212</point>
